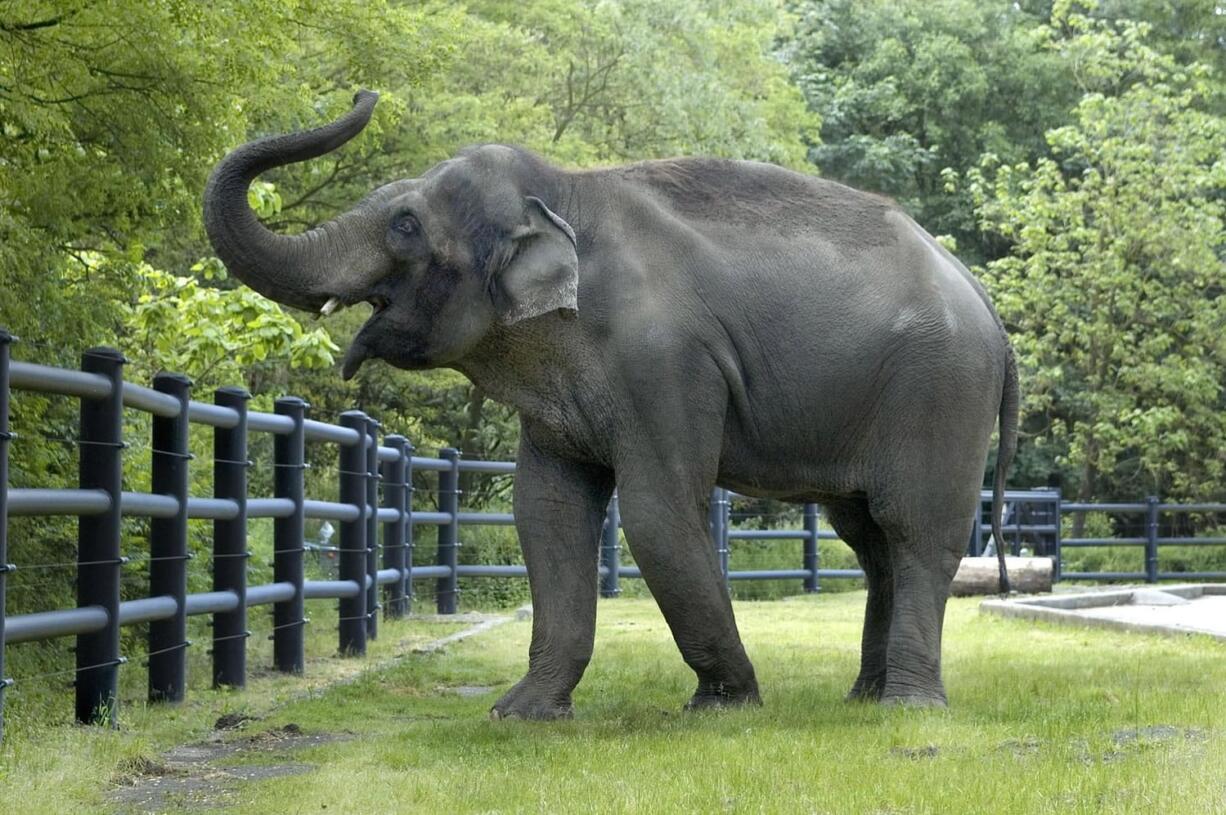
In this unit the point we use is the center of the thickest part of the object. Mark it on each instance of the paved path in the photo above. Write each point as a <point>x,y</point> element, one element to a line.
<point>1206,614</point>
<point>1187,609</point>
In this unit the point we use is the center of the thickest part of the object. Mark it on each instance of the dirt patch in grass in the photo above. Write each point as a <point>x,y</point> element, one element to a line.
<point>232,721</point>
<point>201,776</point>
<point>207,775</point>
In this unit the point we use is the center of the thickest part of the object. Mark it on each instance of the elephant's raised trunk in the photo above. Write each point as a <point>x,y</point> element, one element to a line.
<point>336,259</point>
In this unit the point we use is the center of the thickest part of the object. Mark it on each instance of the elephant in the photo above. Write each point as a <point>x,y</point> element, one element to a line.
<point>661,328</point>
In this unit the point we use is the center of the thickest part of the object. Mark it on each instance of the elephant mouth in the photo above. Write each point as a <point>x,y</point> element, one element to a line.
<point>336,304</point>
<point>360,349</point>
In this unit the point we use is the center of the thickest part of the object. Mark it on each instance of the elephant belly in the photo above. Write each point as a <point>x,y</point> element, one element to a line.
<point>815,474</point>
<point>857,423</point>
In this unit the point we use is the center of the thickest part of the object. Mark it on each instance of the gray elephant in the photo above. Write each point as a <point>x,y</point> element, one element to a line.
<point>661,328</point>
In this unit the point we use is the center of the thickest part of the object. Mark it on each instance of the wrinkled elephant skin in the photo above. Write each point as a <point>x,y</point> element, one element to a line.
<point>662,328</point>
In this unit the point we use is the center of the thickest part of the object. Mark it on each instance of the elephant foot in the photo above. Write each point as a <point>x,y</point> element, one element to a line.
<point>911,688</point>
<point>914,697</point>
<point>720,695</point>
<point>915,701</point>
<point>867,689</point>
<point>529,700</point>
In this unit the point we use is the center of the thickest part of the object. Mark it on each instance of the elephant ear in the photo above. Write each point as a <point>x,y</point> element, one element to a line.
<point>543,272</point>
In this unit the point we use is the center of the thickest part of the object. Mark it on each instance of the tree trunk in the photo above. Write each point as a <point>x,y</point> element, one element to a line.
<point>468,436</point>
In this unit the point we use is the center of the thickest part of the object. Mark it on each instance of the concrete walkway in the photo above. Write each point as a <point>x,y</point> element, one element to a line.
<point>1186,609</point>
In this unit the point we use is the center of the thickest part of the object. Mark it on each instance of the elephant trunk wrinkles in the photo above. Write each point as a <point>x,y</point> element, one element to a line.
<point>336,259</point>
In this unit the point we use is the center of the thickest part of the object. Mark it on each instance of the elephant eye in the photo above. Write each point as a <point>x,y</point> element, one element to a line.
<point>406,224</point>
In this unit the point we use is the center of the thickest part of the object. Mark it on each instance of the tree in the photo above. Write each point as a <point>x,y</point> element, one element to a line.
<point>1113,286</point>
<point>906,90</point>
<point>113,113</point>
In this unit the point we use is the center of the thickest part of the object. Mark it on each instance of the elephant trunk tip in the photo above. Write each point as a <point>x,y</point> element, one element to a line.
<point>296,270</point>
<point>354,358</point>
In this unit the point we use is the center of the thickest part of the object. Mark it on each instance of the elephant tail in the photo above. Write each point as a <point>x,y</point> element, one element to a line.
<point>1004,457</point>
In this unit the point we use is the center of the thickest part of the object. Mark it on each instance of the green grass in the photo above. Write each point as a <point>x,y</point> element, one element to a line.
<point>1032,727</point>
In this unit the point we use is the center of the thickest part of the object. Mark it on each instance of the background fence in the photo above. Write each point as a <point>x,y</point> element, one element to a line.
<point>1033,521</point>
<point>376,568</point>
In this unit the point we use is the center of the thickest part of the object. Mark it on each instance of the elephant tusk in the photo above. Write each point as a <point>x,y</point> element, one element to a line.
<point>333,304</point>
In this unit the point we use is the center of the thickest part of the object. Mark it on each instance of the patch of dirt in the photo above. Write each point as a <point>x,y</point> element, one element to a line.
<point>1156,732</point>
<point>190,776</point>
<point>1133,740</point>
<point>465,691</point>
<point>916,753</point>
<point>201,777</point>
<point>232,721</point>
<point>482,625</point>
<point>1020,748</point>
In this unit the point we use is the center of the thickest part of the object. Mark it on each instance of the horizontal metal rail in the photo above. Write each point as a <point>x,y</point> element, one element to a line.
<point>431,518</point>
<point>488,467</point>
<point>212,415</point>
<point>38,501</point>
<point>770,574</point>
<point>28,376</point>
<point>1076,542</point>
<point>778,534</point>
<point>269,423</point>
<point>1082,507</point>
<point>331,511</point>
<point>486,518</point>
<point>320,431</point>
<point>45,625</point>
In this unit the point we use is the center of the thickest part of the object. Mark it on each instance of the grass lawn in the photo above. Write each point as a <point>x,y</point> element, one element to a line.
<point>1041,719</point>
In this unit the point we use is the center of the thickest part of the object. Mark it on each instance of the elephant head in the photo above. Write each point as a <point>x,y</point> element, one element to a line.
<point>469,247</point>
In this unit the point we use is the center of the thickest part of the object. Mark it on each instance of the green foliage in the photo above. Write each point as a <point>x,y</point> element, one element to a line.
<point>1113,285</point>
<point>907,90</point>
<point>178,324</point>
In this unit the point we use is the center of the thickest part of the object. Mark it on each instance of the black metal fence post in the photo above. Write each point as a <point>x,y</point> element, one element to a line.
<point>395,533</point>
<point>230,542</point>
<point>1151,539</point>
<point>718,518</point>
<point>98,540</point>
<point>449,533</point>
<point>289,539</point>
<point>372,528</point>
<point>811,562</point>
<point>610,550</point>
<point>5,339</point>
<point>1018,513</point>
<point>1057,564</point>
<point>974,546</point>
<point>352,566</point>
<point>168,544</point>
<point>409,532</point>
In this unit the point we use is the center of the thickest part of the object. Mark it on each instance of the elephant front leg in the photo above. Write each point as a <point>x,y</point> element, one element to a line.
<point>671,545</point>
<point>559,508</point>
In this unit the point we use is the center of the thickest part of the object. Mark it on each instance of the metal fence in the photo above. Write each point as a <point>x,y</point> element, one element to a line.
<point>377,530</point>
<point>375,501</point>
<point>1033,521</point>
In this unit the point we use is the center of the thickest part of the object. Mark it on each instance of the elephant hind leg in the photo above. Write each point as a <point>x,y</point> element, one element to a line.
<point>926,545</point>
<point>852,521</point>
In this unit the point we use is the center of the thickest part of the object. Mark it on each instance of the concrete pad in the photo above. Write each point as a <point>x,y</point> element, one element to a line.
<point>1204,615</point>
<point>1185,609</point>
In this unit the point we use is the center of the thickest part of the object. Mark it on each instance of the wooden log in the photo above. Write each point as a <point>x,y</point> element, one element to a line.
<point>981,575</point>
